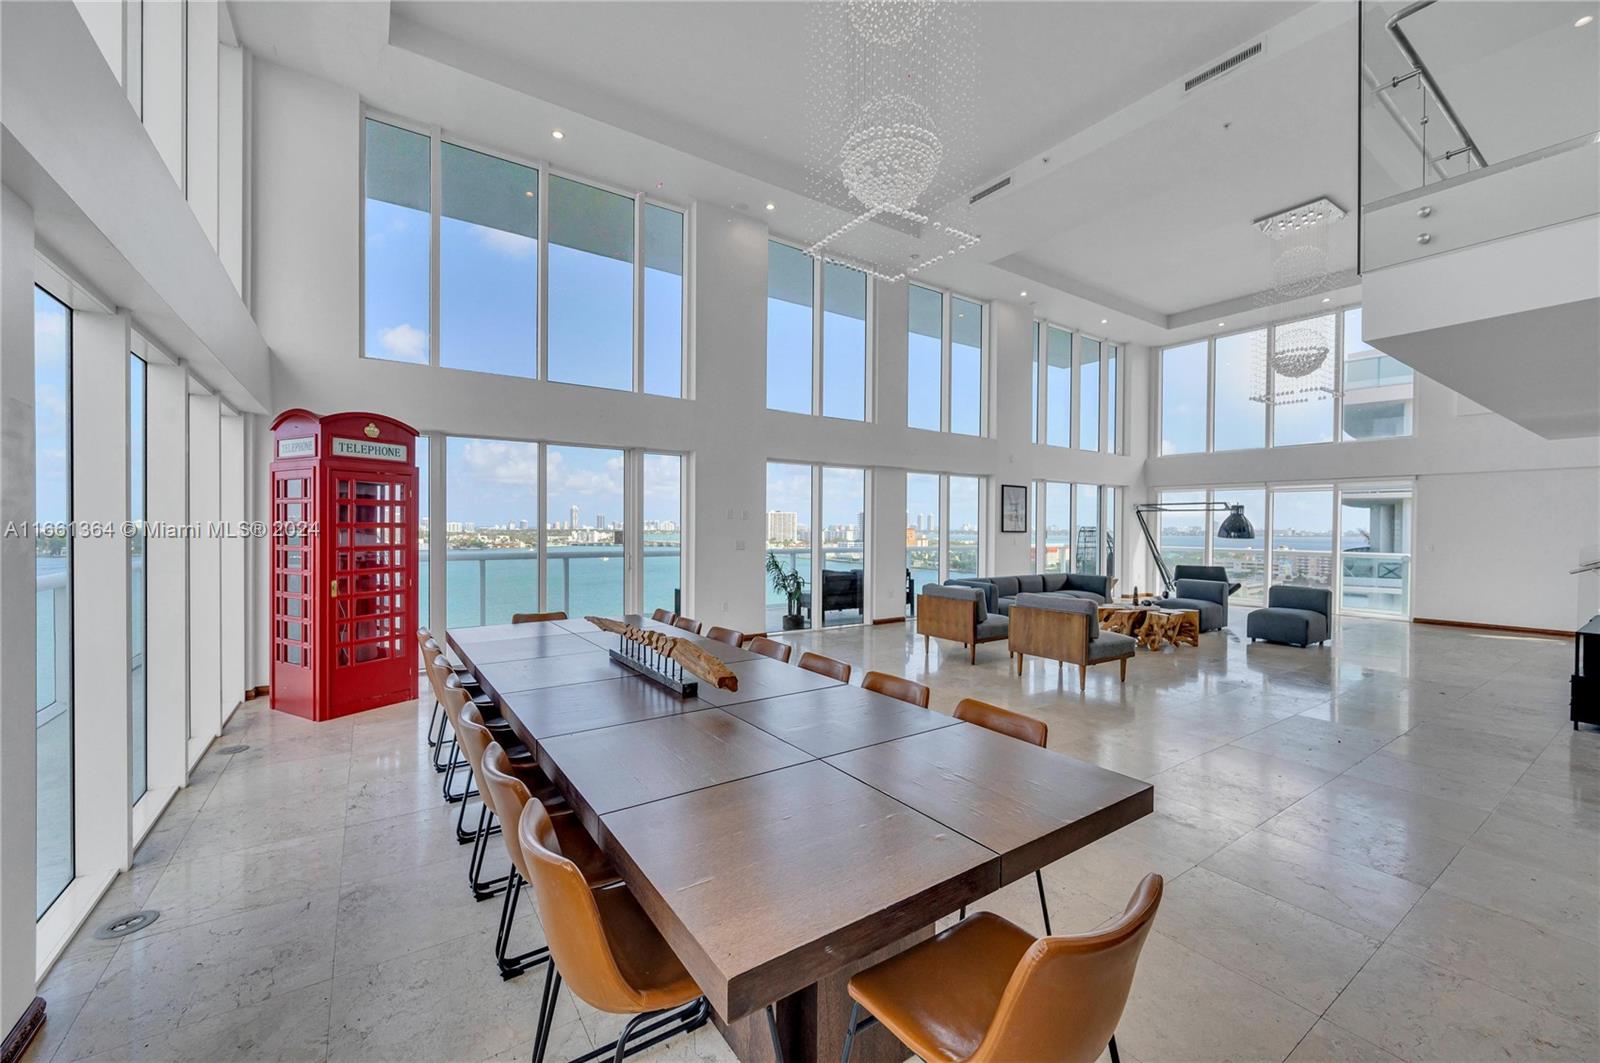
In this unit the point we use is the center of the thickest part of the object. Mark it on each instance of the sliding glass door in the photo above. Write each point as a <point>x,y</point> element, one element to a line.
<point>138,583</point>
<point>816,529</point>
<point>585,565</point>
<point>53,738</point>
<point>1375,549</point>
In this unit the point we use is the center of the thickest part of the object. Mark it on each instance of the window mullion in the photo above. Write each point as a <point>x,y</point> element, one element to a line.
<point>638,292</point>
<point>1270,385</point>
<point>435,208</point>
<point>944,362</point>
<point>1211,395</point>
<point>542,539</point>
<point>542,308</point>
<point>816,349</point>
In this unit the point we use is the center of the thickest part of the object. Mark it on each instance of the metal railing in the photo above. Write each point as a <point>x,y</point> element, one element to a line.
<point>515,581</point>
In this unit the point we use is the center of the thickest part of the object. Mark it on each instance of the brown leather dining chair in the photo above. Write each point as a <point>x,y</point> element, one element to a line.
<point>663,616</point>
<point>536,618</point>
<point>896,687</point>
<point>604,946</point>
<point>816,662</point>
<point>474,735</point>
<point>688,624</point>
<point>1012,725</point>
<point>778,651</point>
<point>726,634</point>
<point>1017,997</point>
<point>441,676</point>
<point>436,722</point>
<point>507,788</point>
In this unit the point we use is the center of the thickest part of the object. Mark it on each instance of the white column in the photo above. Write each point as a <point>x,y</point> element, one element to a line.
<point>162,67</point>
<point>231,598</point>
<point>888,534</point>
<point>17,738</point>
<point>232,127</point>
<point>102,727</point>
<point>205,575</point>
<point>167,583</point>
<point>200,113</point>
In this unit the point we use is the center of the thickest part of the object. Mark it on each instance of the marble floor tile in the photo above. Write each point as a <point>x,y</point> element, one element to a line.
<point>1457,783</point>
<point>1185,1007</point>
<point>1548,899</point>
<point>410,911</point>
<point>1298,955</point>
<point>1547,970</point>
<point>1241,784</point>
<point>1350,894</point>
<point>1425,1013</point>
<point>211,887</point>
<point>1327,1043</point>
<point>1318,743</point>
<point>291,1027</point>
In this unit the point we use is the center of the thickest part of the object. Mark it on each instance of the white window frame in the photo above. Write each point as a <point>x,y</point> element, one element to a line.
<point>437,136</point>
<point>869,402</point>
<point>946,351</point>
<point>1041,411</point>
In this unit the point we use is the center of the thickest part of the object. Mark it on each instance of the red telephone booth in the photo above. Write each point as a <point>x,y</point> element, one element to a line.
<point>344,563</point>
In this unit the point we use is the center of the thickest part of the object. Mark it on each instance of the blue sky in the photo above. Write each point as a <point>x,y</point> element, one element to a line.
<point>52,386</point>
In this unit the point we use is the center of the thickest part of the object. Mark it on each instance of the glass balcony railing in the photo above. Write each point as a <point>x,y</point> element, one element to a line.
<point>1375,583</point>
<point>488,586</point>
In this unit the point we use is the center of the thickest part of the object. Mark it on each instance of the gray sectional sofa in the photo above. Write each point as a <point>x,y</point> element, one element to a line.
<point>1000,592</point>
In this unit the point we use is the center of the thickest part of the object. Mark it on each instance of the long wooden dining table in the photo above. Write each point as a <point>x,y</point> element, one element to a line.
<point>783,836</point>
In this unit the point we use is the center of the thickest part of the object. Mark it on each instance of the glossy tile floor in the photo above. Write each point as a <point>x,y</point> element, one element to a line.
<point>1382,848</point>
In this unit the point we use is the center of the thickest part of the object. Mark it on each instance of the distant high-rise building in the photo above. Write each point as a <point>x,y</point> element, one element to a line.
<point>781,526</point>
<point>861,527</point>
<point>574,512</point>
<point>600,522</point>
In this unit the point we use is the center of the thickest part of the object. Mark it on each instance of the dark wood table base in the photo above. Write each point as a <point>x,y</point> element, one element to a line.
<point>811,1023</point>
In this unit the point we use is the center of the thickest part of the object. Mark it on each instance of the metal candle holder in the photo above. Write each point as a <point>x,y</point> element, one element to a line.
<point>656,666</point>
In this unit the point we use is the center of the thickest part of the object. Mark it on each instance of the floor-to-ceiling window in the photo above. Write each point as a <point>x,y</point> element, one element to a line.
<point>1182,533</point>
<point>924,358</point>
<point>397,227</point>
<point>1245,559</point>
<point>53,822</point>
<point>844,544</point>
<point>663,532</point>
<point>585,568</point>
<point>533,273</point>
<point>816,524</point>
<point>924,533</point>
<point>1183,399</point>
<point>1057,386</point>
<point>488,262</point>
<point>790,289</point>
<point>964,537</point>
<point>1057,523</point>
<point>590,315</point>
<point>1113,365</point>
<point>1086,538</point>
<point>1238,414</point>
<point>664,294</point>
<point>1302,537</point>
<point>491,530</point>
<point>1378,391</point>
<point>1088,394</point>
<point>1302,410</point>
<point>844,342</point>
<point>1375,549</point>
<point>966,367</point>
<point>788,543</point>
<point>138,579</point>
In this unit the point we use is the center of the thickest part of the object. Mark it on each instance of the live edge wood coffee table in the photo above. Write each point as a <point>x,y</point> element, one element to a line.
<point>1172,627</point>
<point>784,836</point>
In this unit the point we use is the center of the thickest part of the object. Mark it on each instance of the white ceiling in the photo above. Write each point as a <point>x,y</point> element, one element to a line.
<point>1141,216</point>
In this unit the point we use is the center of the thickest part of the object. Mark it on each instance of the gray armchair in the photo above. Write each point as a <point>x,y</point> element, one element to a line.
<point>1295,616</point>
<point>1207,597</point>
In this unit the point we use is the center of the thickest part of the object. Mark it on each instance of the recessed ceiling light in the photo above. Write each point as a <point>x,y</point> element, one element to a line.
<point>1222,324</point>
<point>1327,298</point>
<point>1102,321</point>
<point>1584,21</point>
<point>1022,295</point>
<point>558,134</point>
<point>772,206</point>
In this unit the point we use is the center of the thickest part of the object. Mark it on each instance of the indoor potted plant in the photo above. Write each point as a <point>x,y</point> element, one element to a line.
<point>788,582</point>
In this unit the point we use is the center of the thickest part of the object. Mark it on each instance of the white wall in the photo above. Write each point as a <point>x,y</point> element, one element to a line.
<point>307,297</point>
<point>17,691</point>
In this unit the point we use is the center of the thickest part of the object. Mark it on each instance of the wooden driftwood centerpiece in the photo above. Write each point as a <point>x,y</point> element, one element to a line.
<point>669,647</point>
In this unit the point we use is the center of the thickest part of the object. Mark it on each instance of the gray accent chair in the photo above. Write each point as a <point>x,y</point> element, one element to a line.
<point>958,612</point>
<point>1207,597</point>
<point>1295,616</point>
<point>1066,630</point>
<point>1216,573</point>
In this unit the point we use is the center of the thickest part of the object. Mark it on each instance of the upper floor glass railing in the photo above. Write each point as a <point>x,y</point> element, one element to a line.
<point>1478,121</point>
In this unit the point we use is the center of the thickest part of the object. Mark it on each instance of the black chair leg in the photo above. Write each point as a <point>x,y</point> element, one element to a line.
<point>482,888</point>
<point>512,966</point>
<point>1113,1046</point>
<point>651,1028</point>
<point>547,1012</point>
<point>772,1028</point>
<point>854,1026</point>
<point>463,835</point>
<point>1044,905</point>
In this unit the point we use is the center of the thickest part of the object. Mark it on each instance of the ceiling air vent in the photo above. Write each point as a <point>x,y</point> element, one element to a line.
<point>984,193</point>
<point>1217,70</point>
